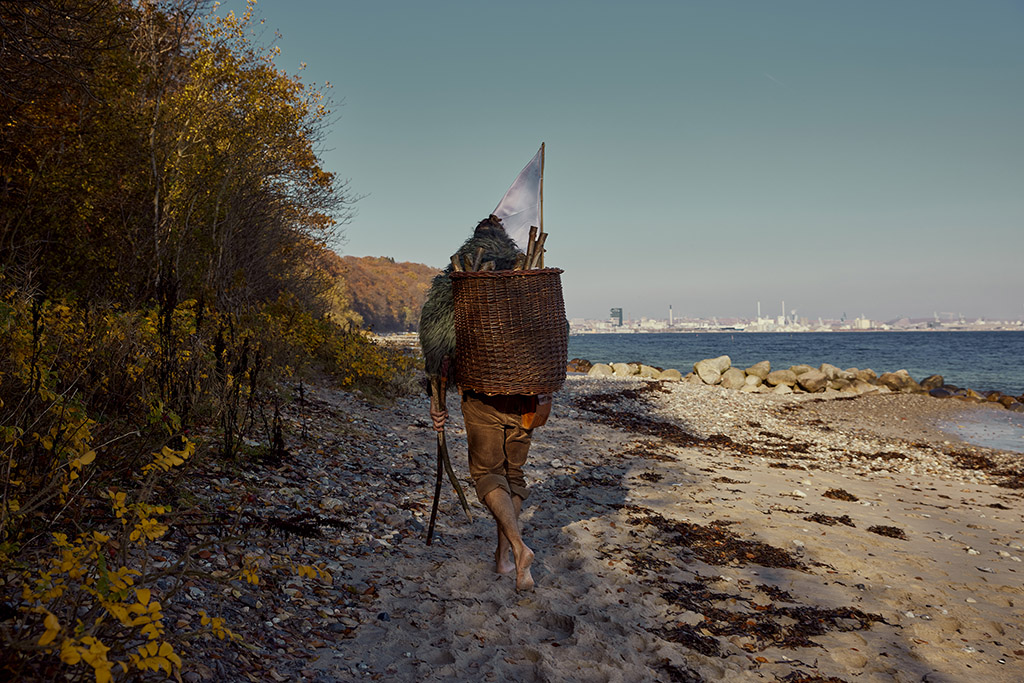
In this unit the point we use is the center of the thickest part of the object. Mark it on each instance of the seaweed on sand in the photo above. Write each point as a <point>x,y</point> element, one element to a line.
<point>840,494</point>
<point>767,626</point>
<point>829,520</point>
<point>714,544</point>
<point>890,531</point>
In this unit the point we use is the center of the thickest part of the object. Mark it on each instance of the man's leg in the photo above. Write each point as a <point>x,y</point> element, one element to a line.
<point>499,502</point>
<point>502,564</point>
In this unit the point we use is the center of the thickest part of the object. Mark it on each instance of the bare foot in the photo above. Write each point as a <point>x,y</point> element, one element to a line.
<point>502,564</point>
<point>524,579</point>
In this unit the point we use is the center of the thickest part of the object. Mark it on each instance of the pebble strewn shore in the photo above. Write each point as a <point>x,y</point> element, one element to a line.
<point>682,531</point>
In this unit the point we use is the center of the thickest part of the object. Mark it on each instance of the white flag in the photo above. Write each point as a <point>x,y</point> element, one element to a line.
<point>521,206</point>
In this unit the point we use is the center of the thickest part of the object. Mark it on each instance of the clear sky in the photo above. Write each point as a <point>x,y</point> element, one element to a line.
<point>848,157</point>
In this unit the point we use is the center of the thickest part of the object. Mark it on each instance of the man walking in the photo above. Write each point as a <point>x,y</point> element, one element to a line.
<point>498,428</point>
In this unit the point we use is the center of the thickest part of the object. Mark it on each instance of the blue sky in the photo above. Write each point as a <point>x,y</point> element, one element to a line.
<point>849,157</point>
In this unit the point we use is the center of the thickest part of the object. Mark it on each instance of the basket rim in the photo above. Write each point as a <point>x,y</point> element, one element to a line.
<point>504,273</point>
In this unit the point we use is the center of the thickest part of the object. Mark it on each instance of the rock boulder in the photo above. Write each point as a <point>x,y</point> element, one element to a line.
<point>721,363</point>
<point>708,371</point>
<point>733,378</point>
<point>900,381</point>
<point>862,387</point>
<point>813,380</point>
<point>868,375</point>
<point>784,377</point>
<point>600,370</point>
<point>649,372</point>
<point>623,369</point>
<point>839,383</point>
<point>760,369</point>
<point>832,372</point>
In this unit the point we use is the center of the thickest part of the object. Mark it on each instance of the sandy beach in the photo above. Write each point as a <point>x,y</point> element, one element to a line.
<point>682,533</point>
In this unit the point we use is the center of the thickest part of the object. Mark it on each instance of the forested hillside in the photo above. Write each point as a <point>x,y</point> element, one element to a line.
<point>165,286</point>
<point>387,295</point>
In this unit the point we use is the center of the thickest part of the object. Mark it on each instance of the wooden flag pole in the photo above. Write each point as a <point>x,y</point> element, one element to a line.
<point>541,187</point>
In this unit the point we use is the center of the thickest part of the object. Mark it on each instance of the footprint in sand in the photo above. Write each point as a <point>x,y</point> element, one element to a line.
<point>560,626</point>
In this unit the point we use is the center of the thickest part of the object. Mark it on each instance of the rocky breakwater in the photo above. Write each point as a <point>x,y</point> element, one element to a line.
<point>826,379</point>
<point>831,380</point>
<point>633,369</point>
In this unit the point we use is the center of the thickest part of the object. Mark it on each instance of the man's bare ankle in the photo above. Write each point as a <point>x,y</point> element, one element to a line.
<point>502,563</point>
<point>524,579</point>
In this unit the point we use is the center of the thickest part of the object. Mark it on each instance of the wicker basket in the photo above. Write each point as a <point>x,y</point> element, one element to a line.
<point>510,331</point>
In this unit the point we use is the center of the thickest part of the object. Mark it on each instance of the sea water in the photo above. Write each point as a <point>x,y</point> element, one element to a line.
<point>994,428</point>
<point>977,360</point>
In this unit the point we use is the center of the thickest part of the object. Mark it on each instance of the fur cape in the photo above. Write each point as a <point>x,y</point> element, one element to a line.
<point>437,319</point>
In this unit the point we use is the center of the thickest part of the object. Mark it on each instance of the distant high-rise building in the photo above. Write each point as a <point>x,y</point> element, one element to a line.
<point>616,317</point>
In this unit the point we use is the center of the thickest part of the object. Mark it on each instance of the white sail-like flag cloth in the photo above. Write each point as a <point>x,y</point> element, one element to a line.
<point>522,205</point>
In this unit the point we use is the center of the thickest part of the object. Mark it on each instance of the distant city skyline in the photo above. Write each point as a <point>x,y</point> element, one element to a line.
<point>861,157</point>
<point>794,313</point>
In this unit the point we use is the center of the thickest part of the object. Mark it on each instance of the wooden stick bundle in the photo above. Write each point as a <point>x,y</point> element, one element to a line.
<point>533,258</point>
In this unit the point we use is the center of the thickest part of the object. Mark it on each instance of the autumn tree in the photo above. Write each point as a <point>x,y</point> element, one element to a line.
<point>152,154</point>
<point>387,295</point>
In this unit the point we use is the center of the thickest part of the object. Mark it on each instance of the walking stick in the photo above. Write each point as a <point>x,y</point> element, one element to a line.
<point>437,393</point>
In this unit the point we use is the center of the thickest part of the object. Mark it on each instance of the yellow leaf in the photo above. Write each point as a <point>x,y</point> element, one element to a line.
<point>87,458</point>
<point>50,623</point>
<point>143,595</point>
<point>69,653</point>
